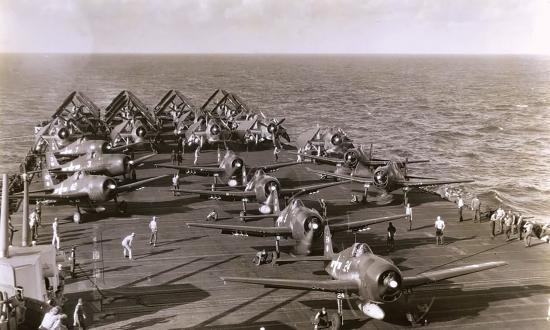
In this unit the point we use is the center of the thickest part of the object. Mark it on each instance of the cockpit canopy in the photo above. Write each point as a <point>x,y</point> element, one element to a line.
<point>359,249</point>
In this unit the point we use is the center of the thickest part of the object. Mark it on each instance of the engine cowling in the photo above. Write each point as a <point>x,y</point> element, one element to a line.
<point>313,224</point>
<point>351,158</point>
<point>141,132</point>
<point>381,281</point>
<point>102,190</point>
<point>270,187</point>
<point>215,130</point>
<point>381,177</point>
<point>237,163</point>
<point>63,133</point>
<point>336,139</point>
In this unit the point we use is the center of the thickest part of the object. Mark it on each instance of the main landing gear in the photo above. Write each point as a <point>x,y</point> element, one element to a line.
<point>77,215</point>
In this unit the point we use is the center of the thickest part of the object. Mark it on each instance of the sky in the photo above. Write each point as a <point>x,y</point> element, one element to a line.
<point>276,26</point>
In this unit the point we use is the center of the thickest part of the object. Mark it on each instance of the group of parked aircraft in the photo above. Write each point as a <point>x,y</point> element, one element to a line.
<point>89,160</point>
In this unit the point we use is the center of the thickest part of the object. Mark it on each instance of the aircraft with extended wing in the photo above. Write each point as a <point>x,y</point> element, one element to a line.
<point>297,222</point>
<point>330,141</point>
<point>231,171</point>
<point>388,178</point>
<point>358,271</point>
<point>262,188</point>
<point>86,191</point>
<point>355,157</point>
<point>83,146</point>
<point>96,162</point>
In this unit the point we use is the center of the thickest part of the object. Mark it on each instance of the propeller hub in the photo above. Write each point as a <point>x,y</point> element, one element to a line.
<point>140,131</point>
<point>215,130</point>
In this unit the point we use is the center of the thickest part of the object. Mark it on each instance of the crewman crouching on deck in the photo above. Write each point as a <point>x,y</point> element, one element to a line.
<point>212,216</point>
<point>127,245</point>
<point>321,319</point>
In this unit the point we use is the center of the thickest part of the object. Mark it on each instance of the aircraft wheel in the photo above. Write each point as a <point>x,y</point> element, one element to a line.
<point>336,322</point>
<point>122,207</point>
<point>77,217</point>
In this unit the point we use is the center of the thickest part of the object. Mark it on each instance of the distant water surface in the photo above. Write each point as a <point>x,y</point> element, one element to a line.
<point>480,117</point>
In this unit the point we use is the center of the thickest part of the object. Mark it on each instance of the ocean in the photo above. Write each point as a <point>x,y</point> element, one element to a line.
<point>481,117</point>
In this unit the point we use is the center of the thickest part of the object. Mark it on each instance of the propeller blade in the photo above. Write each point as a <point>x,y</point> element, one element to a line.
<point>304,246</point>
<point>281,121</point>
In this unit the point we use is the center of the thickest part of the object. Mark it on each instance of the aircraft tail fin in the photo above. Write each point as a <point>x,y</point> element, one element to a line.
<point>51,161</point>
<point>328,249</point>
<point>47,179</point>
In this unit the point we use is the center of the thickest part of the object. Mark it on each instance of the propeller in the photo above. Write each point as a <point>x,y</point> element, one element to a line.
<point>275,129</point>
<point>304,245</point>
<point>313,227</point>
<point>389,285</point>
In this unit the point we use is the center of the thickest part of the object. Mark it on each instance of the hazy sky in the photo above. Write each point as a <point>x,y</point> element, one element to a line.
<point>275,26</point>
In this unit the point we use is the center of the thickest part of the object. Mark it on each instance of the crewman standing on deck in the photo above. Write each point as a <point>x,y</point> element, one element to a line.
<point>439,228</point>
<point>460,204</point>
<point>276,152</point>
<point>197,154</point>
<point>475,205</point>
<point>55,234</point>
<point>493,223</point>
<point>409,214</point>
<point>176,182</point>
<point>154,231</point>
<point>173,157</point>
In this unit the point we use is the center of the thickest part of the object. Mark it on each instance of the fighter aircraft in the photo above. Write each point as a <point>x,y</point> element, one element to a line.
<point>173,106</point>
<point>297,222</point>
<point>76,116</point>
<point>82,146</point>
<point>355,157</point>
<point>130,120</point>
<point>78,109</point>
<point>388,178</point>
<point>247,125</point>
<point>231,171</point>
<point>331,141</point>
<point>96,162</point>
<point>358,271</point>
<point>85,191</point>
<point>205,131</point>
<point>263,188</point>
